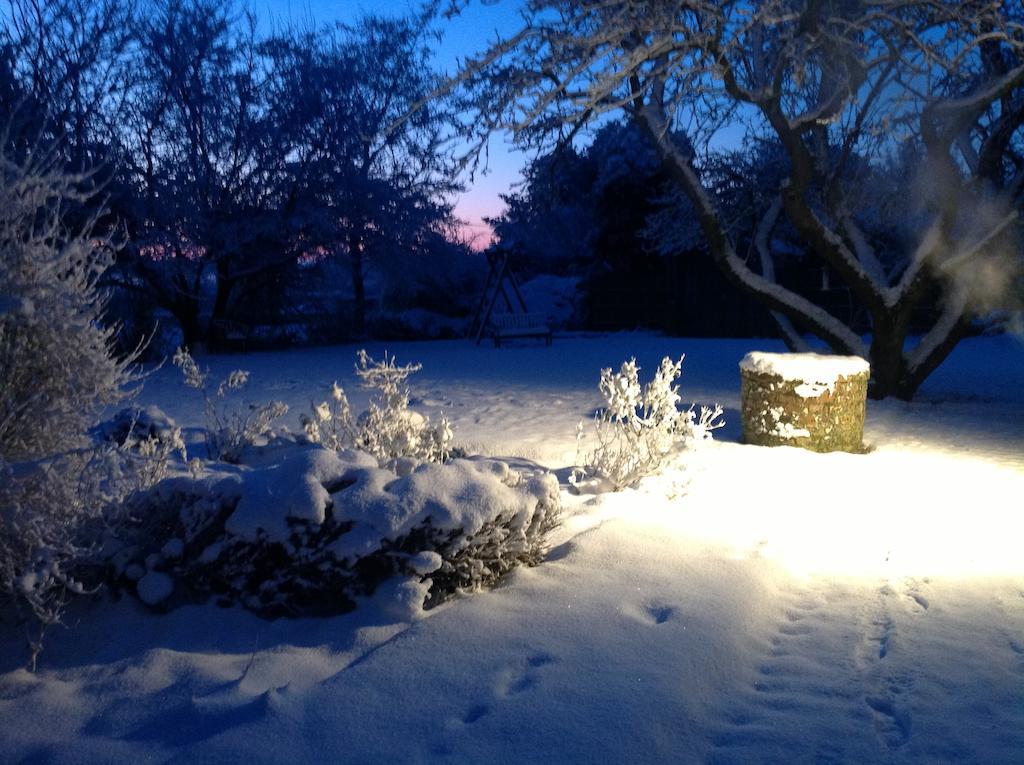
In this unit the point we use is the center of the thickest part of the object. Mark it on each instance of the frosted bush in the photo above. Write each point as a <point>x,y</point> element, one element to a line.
<point>388,429</point>
<point>229,430</point>
<point>331,423</point>
<point>148,439</point>
<point>57,372</point>
<point>54,516</point>
<point>56,512</point>
<point>640,429</point>
<point>57,368</point>
<point>311,530</point>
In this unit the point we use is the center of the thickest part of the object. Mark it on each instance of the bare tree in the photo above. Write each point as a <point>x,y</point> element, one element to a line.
<point>195,142</point>
<point>251,151</point>
<point>842,86</point>
<point>73,57</point>
<point>394,184</point>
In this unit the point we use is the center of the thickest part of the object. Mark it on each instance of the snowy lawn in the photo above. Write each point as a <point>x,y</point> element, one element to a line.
<point>762,605</point>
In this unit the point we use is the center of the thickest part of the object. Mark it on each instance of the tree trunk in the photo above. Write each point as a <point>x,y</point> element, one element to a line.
<point>191,330</point>
<point>888,364</point>
<point>225,285</point>
<point>355,251</point>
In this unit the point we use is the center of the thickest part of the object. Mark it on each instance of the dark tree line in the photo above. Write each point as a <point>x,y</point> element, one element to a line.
<point>236,163</point>
<point>608,213</point>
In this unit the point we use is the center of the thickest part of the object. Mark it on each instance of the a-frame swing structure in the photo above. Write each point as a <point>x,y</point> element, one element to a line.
<point>516,321</point>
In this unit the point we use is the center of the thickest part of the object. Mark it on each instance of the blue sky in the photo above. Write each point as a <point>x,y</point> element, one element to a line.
<point>464,35</point>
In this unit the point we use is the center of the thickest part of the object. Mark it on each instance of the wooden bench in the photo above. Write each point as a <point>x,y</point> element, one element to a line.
<point>512,326</point>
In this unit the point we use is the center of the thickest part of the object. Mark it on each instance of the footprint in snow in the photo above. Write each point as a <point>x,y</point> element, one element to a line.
<point>914,597</point>
<point>877,641</point>
<point>794,629</point>
<point>789,683</point>
<point>891,723</point>
<point>920,600</point>
<point>516,680</point>
<point>475,712</point>
<point>650,613</point>
<point>511,682</point>
<point>540,660</point>
<point>659,613</point>
<point>878,635</point>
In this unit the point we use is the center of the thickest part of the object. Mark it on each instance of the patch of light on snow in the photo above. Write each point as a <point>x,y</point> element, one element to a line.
<point>857,516</point>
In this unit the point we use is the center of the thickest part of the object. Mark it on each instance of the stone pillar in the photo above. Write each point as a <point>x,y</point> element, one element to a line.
<point>808,400</point>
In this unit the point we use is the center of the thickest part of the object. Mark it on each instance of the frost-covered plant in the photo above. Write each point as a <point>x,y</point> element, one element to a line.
<point>315,531</point>
<point>56,511</point>
<point>54,515</point>
<point>330,422</point>
<point>148,440</point>
<point>228,430</point>
<point>388,429</point>
<point>57,372</point>
<point>640,429</point>
<point>483,558</point>
<point>57,368</point>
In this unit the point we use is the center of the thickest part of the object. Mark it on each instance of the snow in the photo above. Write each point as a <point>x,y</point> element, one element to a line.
<point>460,494</point>
<point>785,429</point>
<point>815,372</point>
<point>553,298</point>
<point>173,549</point>
<point>292,490</point>
<point>426,562</point>
<point>760,605</point>
<point>154,588</point>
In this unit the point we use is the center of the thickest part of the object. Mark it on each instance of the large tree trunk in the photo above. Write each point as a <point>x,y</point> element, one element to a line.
<point>888,365</point>
<point>895,371</point>
<point>222,299</point>
<point>191,329</point>
<point>355,251</point>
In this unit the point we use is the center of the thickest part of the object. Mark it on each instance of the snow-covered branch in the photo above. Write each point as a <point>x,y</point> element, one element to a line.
<point>773,294</point>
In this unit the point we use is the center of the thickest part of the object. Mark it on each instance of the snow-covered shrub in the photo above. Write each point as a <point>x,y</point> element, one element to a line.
<point>314,529</point>
<point>54,515</point>
<point>330,423</point>
<point>57,372</point>
<point>147,439</point>
<point>640,429</point>
<point>56,367</point>
<point>388,429</point>
<point>133,426</point>
<point>228,430</point>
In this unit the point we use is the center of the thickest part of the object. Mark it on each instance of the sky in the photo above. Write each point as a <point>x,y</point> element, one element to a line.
<point>463,36</point>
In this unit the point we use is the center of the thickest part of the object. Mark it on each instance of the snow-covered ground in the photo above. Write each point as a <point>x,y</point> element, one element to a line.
<point>762,605</point>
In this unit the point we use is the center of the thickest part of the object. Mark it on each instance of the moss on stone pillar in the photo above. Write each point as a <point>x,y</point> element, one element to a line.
<point>814,402</point>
